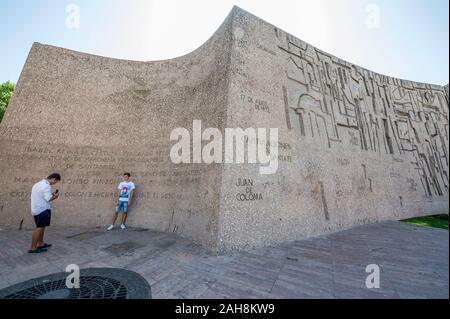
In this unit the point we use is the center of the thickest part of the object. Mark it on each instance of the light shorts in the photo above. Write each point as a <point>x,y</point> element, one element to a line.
<point>121,205</point>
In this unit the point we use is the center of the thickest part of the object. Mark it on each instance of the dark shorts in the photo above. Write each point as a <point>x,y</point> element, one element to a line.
<point>43,219</point>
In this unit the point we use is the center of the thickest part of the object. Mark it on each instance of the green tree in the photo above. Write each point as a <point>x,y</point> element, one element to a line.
<point>6,91</point>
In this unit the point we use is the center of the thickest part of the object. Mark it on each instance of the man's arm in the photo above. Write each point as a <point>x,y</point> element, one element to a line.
<point>48,196</point>
<point>131,196</point>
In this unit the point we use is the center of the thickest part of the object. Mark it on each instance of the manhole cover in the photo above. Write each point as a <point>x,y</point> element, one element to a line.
<point>95,283</point>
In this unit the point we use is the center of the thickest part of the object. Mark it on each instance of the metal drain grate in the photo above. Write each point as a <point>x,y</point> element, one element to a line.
<point>95,283</point>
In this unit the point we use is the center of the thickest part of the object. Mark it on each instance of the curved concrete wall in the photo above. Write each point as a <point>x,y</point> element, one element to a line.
<point>354,146</point>
<point>93,118</point>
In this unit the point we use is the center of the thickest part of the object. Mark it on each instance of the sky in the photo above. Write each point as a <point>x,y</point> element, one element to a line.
<point>407,39</point>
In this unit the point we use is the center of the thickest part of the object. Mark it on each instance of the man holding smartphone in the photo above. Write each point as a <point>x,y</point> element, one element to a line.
<point>41,197</point>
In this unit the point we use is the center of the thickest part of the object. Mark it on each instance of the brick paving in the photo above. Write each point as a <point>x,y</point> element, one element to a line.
<point>414,262</point>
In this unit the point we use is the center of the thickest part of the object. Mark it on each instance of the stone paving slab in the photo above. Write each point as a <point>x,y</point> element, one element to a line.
<point>414,262</point>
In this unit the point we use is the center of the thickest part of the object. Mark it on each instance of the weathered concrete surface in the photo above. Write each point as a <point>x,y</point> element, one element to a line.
<point>414,263</point>
<point>93,118</point>
<point>355,147</point>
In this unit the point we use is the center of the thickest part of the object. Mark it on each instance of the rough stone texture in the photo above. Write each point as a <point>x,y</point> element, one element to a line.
<point>414,263</point>
<point>355,147</point>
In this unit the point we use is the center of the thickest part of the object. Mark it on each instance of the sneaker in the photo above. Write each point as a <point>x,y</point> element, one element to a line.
<point>110,227</point>
<point>123,226</point>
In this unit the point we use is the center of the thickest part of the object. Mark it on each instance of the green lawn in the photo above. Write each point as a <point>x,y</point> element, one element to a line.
<point>438,221</point>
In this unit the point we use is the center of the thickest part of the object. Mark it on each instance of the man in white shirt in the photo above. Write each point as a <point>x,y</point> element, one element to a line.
<point>126,189</point>
<point>41,197</point>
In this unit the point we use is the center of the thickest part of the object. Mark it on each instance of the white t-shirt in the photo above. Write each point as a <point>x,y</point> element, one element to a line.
<point>125,191</point>
<point>41,193</point>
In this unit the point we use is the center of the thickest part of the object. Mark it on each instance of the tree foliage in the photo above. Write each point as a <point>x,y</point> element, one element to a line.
<point>6,91</point>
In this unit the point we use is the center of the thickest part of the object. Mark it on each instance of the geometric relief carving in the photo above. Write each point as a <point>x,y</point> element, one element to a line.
<point>333,102</point>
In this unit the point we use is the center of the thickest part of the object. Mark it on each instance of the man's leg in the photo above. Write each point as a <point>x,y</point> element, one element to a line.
<point>125,214</point>
<point>41,242</point>
<point>114,218</point>
<point>124,217</point>
<point>37,235</point>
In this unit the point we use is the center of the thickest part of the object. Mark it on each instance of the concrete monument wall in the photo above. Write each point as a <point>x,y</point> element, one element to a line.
<point>355,146</point>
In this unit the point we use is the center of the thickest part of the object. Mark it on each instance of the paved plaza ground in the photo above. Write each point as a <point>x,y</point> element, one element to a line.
<point>414,262</point>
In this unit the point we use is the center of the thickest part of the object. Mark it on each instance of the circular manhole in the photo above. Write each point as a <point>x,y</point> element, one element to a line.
<point>95,283</point>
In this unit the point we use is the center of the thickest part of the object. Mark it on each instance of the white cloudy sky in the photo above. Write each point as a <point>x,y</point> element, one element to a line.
<point>411,41</point>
